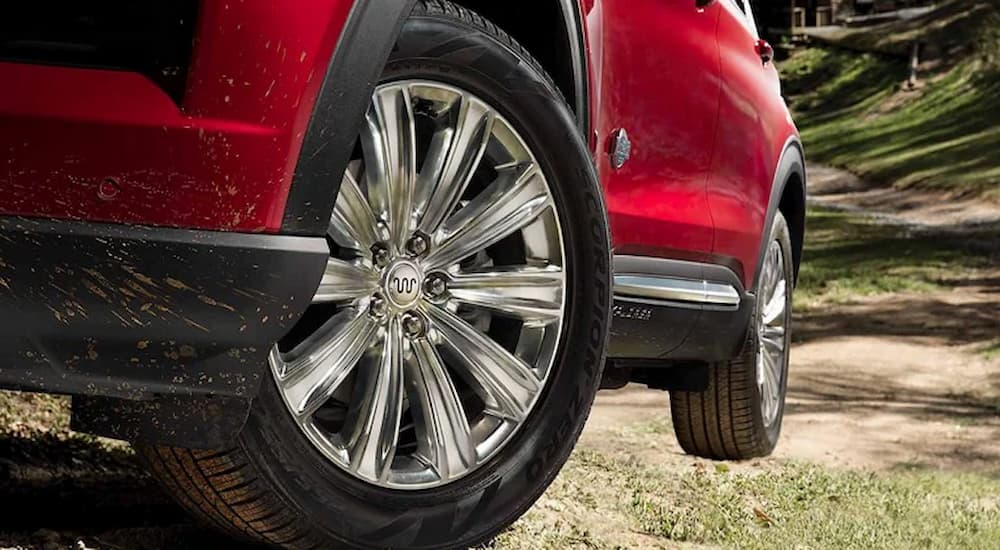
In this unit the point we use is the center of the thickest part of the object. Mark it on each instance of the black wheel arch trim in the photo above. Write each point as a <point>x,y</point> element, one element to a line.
<point>355,67</point>
<point>791,167</point>
<point>354,70</point>
<point>581,71</point>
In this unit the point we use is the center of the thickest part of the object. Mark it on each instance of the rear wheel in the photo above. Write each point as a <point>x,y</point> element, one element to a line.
<point>739,415</point>
<point>453,349</point>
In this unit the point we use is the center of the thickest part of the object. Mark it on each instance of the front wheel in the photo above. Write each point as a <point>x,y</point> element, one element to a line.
<point>453,349</point>
<point>739,415</point>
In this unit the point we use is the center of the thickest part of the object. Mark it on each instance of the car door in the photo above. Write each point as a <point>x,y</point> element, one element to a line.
<point>655,69</point>
<point>753,126</point>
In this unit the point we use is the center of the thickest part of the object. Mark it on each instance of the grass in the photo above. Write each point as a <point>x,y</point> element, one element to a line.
<point>34,433</point>
<point>788,505</point>
<point>991,350</point>
<point>849,255</point>
<point>944,135</point>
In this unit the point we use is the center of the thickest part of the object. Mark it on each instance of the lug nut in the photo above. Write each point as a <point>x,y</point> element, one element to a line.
<point>435,286</point>
<point>377,307</point>
<point>413,325</point>
<point>417,245</point>
<point>380,255</point>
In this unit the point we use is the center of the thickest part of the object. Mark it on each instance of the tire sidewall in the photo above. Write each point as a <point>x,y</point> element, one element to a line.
<point>462,513</point>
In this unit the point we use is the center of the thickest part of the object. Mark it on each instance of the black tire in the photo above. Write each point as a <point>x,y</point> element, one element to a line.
<point>725,422</point>
<point>273,485</point>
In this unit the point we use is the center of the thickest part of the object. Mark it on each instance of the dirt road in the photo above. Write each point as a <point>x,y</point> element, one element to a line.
<point>887,382</point>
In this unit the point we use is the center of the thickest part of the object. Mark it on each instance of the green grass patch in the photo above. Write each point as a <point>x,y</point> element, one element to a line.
<point>848,255</point>
<point>799,505</point>
<point>784,506</point>
<point>34,432</point>
<point>832,85</point>
<point>992,350</point>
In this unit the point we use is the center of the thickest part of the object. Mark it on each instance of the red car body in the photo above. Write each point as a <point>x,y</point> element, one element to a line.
<point>708,128</point>
<point>708,125</point>
<point>220,159</point>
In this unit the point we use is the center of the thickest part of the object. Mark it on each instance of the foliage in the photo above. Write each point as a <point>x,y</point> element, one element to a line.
<point>855,113</point>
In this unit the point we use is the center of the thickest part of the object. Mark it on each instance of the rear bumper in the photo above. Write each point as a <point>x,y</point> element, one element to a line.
<point>137,313</point>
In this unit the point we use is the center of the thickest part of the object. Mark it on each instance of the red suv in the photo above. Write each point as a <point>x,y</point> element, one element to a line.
<point>341,269</point>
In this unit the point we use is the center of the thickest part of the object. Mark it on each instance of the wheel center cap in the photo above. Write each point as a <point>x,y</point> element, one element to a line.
<point>402,283</point>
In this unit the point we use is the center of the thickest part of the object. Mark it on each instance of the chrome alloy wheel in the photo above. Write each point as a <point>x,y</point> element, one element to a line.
<point>435,326</point>
<point>771,326</point>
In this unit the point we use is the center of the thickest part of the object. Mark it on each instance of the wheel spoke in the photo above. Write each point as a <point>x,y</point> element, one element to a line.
<point>388,144</point>
<point>440,416</point>
<point>773,340</point>
<point>506,383</point>
<point>372,444</point>
<point>777,366</point>
<point>774,308</point>
<point>767,395</point>
<point>453,157</point>
<point>528,293</point>
<point>777,270</point>
<point>515,199</point>
<point>344,281</point>
<point>771,366</point>
<point>779,260</point>
<point>324,360</point>
<point>353,223</point>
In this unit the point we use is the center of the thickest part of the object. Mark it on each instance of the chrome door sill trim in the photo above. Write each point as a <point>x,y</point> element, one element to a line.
<point>676,290</point>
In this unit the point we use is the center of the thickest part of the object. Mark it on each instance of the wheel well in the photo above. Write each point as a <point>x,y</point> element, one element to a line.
<point>541,27</point>
<point>793,208</point>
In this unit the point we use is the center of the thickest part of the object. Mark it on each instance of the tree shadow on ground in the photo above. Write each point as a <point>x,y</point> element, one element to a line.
<point>837,392</point>
<point>916,316</point>
<point>59,490</point>
<point>924,429</point>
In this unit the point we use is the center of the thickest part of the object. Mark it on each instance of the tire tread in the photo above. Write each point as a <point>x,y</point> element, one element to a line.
<point>719,422</point>
<point>723,421</point>
<point>229,499</point>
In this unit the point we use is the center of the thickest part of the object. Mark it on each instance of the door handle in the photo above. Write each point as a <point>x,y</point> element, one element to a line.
<point>765,51</point>
<point>702,4</point>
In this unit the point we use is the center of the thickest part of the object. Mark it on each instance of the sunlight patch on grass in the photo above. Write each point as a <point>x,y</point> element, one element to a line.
<point>849,255</point>
<point>992,350</point>
<point>945,137</point>
<point>854,114</point>
<point>803,505</point>
<point>37,425</point>
<point>783,506</point>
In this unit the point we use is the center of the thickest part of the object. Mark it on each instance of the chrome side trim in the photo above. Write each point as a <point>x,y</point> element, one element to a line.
<point>676,290</point>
